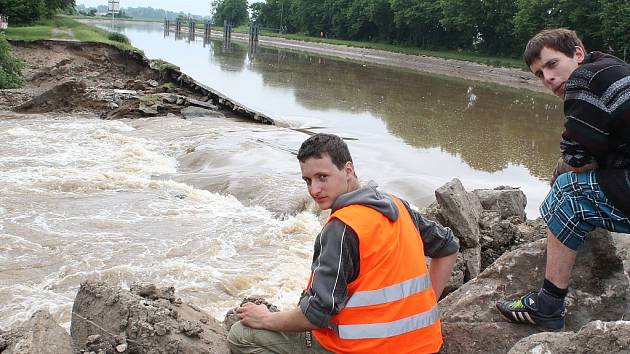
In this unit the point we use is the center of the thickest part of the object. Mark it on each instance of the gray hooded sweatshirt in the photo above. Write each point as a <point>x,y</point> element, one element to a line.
<point>336,255</point>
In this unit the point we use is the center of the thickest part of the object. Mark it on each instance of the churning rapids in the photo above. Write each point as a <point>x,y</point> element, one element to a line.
<point>127,200</point>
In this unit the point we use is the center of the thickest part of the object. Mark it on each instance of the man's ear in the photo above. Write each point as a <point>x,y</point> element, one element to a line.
<point>580,54</point>
<point>349,168</point>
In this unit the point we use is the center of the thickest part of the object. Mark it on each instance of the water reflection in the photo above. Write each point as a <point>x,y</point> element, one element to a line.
<point>410,129</point>
<point>487,128</point>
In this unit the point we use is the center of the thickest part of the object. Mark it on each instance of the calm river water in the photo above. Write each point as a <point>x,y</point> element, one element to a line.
<point>216,207</point>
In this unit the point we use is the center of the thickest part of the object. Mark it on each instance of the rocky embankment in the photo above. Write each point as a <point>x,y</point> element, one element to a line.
<point>96,78</point>
<point>502,255</point>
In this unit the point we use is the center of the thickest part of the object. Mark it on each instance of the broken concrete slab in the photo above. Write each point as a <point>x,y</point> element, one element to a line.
<point>508,201</point>
<point>39,335</point>
<point>599,291</point>
<point>594,337</point>
<point>461,212</point>
<point>157,323</point>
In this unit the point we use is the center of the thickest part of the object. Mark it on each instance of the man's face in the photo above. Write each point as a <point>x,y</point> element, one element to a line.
<point>554,68</point>
<point>325,182</point>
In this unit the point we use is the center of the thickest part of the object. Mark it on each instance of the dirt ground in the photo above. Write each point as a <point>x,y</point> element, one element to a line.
<point>511,77</point>
<point>79,77</point>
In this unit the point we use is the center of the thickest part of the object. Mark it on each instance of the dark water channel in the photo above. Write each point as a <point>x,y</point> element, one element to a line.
<point>409,131</point>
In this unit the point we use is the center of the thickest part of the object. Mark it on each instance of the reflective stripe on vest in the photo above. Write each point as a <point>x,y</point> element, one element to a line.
<point>391,293</point>
<point>389,329</point>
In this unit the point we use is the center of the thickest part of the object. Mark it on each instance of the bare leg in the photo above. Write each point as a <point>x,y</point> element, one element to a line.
<point>560,261</point>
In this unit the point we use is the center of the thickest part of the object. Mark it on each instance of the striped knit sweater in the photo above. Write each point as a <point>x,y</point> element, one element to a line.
<point>597,127</point>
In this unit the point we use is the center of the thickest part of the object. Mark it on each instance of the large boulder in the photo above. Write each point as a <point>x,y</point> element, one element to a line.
<point>595,337</point>
<point>508,201</point>
<point>599,291</point>
<point>141,320</point>
<point>39,335</point>
<point>460,211</point>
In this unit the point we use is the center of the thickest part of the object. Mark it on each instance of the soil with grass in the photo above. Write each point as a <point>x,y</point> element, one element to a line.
<point>103,80</point>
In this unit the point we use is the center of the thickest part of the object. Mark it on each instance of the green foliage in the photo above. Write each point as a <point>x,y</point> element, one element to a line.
<point>10,67</point>
<point>234,11</point>
<point>29,11</point>
<point>487,27</point>
<point>615,27</point>
<point>23,11</point>
<point>118,37</point>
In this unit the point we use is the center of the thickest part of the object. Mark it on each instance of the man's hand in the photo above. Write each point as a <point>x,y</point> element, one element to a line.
<point>563,167</point>
<point>252,315</point>
<point>259,317</point>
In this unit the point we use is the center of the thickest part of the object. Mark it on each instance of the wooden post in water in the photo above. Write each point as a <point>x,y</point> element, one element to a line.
<point>191,30</point>
<point>167,27</point>
<point>227,34</point>
<point>178,28</point>
<point>207,31</point>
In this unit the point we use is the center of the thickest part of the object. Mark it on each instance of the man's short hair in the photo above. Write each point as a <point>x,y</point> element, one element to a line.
<point>561,39</point>
<point>330,144</point>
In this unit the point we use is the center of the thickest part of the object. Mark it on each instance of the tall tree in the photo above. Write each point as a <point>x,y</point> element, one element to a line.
<point>496,27</point>
<point>418,22</point>
<point>370,19</point>
<point>615,27</point>
<point>234,11</point>
<point>23,11</point>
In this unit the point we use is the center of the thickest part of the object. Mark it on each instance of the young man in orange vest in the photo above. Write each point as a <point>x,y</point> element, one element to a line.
<point>370,289</point>
<point>591,182</point>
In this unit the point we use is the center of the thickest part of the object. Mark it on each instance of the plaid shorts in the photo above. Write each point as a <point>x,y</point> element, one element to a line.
<point>576,205</point>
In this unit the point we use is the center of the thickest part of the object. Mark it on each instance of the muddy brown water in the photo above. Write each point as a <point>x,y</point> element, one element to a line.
<point>216,207</point>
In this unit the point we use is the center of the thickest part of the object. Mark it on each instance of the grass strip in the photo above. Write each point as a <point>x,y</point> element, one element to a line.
<point>63,26</point>
<point>445,54</point>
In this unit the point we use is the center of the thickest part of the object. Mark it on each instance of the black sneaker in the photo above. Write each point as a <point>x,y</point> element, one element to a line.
<point>524,310</point>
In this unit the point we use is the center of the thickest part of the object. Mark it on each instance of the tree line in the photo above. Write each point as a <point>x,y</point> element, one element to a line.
<point>145,13</point>
<point>494,27</point>
<point>28,11</point>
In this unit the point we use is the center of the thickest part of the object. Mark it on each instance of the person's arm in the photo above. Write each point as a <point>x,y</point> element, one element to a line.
<point>440,271</point>
<point>440,244</point>
<point>563,167</point>
<point>586,132</point>
<point>335,264</point>
<point>259,317</point>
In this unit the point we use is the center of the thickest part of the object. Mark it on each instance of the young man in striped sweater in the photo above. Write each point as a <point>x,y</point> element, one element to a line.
<point>591,182</point>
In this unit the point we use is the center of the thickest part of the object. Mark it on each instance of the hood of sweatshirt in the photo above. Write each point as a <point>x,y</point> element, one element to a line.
<point>370,197</point>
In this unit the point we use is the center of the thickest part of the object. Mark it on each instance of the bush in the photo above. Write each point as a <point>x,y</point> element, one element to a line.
<point>118,37</point>
<point>10,67</point>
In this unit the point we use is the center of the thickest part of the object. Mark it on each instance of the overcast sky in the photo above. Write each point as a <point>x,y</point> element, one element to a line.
<point>195,7</point>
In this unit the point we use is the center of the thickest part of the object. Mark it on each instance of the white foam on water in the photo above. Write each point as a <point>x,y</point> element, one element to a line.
<point>79,202</point>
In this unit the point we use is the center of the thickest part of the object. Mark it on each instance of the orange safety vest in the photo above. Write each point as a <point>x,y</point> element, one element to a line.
<point>391,306</point>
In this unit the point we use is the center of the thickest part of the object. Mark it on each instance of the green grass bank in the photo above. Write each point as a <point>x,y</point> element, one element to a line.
<point>457,55</point>
<point>66,28</point>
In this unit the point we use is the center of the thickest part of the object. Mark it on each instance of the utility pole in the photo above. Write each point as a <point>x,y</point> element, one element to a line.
<point>113,7</point>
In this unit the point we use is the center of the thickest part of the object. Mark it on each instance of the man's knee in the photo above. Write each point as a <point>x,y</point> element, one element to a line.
<point>236,337</point>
